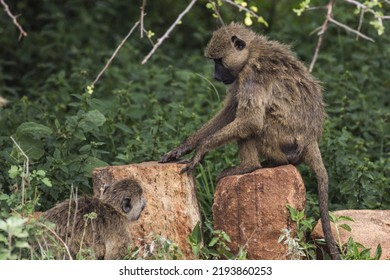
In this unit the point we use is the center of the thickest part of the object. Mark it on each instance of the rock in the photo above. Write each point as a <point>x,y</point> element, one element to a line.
<point>172,208</point>
<point>251,209</point>
<point>370,228</point>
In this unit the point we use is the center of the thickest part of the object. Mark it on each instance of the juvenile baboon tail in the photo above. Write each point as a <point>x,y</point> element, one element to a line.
<point>313,159</point>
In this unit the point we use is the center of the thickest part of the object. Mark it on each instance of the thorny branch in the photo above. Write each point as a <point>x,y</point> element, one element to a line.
<point>166,35</point>
<point>14,19</point>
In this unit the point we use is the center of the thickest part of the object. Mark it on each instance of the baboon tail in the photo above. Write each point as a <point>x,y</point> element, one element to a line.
<point>312,157</point>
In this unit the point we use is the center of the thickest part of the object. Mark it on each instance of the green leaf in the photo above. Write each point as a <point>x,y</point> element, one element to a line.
<point>196,234</point>
<point>213,241</point>
<point>90,164</point>
<point>47,182</point>
<point>34,130</point>
<point>346,227</point>
<point>21,244</point>
<point>345,218</point>
<point>91,120</point>
<point>378,252</point>
<point>13,172</point>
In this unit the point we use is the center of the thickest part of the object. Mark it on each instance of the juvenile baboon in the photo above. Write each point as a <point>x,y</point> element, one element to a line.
<point>108,233</point>
<point>273,109</point>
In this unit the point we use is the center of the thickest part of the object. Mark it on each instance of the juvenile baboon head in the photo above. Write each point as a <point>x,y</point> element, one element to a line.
<point>126,197</point>
<point>229,47</point>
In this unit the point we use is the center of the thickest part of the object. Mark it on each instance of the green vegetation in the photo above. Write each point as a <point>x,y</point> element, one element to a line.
<point>134,113</point>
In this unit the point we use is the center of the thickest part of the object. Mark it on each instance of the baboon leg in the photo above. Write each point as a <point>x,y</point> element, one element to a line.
<point>275,159</point>
<point>249,159</point>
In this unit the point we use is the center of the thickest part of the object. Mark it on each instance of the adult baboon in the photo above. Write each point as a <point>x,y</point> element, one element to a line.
<point>273,109</point>
<point>107,234</point>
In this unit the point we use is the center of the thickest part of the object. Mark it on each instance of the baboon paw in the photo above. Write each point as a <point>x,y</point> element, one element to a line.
<point>170,156</point>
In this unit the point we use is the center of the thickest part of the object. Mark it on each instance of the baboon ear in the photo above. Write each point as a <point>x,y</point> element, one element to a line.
<point>126,205</point>
<point>238,43</point>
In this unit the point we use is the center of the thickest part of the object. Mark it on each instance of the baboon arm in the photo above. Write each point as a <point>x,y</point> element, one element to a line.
<point>242,128</point>
<point>248,122</point>
<point>221,119</point>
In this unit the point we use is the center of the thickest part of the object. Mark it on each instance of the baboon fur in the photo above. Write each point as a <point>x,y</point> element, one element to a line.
<point>108,234</point>
<point>273,110</point>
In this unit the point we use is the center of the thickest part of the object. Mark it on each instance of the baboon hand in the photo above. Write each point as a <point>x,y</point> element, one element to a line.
<point>192,163</point>
<point>174,155</point>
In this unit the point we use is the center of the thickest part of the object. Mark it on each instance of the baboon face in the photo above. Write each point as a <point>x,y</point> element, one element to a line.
<point>133,207</point>
<point>126,197</point>
<point>229,48</point>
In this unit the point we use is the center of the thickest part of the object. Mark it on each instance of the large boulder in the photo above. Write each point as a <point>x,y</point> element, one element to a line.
<point>369,228</point>
<point>172,208</point>
<point>251,209</point>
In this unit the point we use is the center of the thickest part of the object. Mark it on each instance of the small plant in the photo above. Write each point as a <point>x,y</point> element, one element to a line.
<point>217,248</point>
<point>156,247</point>
<point>355,251</point>
<point>352,250</point>
<point>298,247</point>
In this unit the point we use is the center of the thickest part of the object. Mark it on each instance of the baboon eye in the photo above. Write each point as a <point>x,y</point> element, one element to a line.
<point>238,43</point>
<point>126,205</point>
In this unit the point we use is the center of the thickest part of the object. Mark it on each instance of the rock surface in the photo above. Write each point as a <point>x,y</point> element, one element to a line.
<point>172,208</point>
<point>370,228</point>
<point>251,208</point>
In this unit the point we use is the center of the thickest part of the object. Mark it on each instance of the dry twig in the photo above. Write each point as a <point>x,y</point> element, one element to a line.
<point>142,18</point>
<point>346,27</point>
<point>242,8</point>
<point>14,19</point>
<point>26,171</point>
<point>321,33</point>
<point>59,239</point>
<point>114,54</point>
<point>166,35</point>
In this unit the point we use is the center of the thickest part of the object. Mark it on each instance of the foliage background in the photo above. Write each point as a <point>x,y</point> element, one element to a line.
<point>138,112</point>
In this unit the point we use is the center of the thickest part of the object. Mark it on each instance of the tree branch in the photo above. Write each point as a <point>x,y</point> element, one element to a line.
<point>242,8</point>
<point>166,35</point>
<point>142,18</point>
<point>114,54</point>
<point>346,27</point>
<point>324,27</point>
<point>14,19</point>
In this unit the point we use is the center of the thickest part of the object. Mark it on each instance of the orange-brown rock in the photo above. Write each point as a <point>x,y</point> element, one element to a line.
<point>172,208</point>
<point>369,228</point>
<point>251,209</point>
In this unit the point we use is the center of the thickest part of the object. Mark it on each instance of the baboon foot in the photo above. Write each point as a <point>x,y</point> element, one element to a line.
<point>237,170</point>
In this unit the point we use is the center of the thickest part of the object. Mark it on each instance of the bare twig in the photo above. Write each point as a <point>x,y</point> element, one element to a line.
<point>166,35</point>
<point>114,54</point>
<point>26,166</point>
<point>241,8</point>
<point>346,27</point>
<point>356,3</point>
<point>218,14</point>
<point>362,12</point>
<point>142,18</point>
<point>59,239</point>
<point>14,19</point>
<point>321,33</point>
<point>147,35</point>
